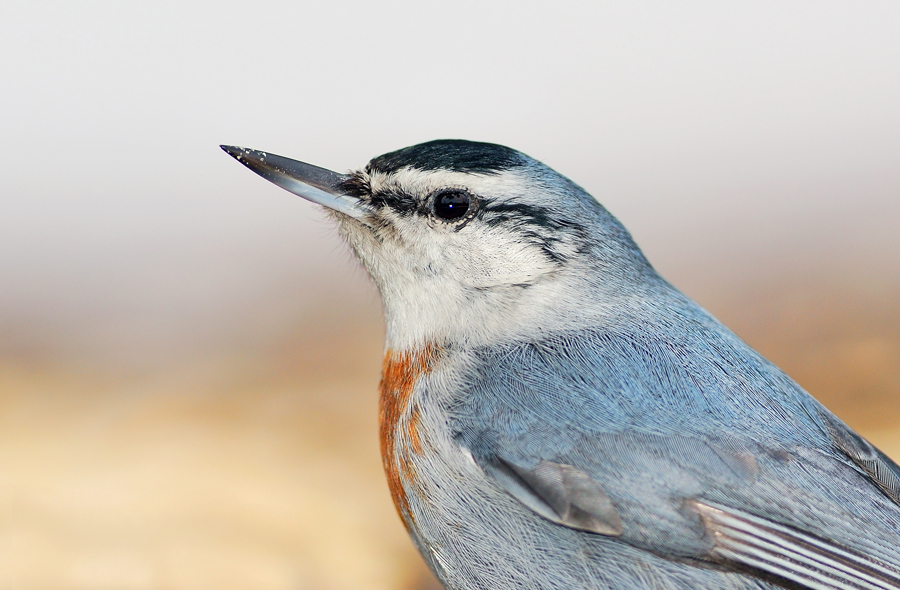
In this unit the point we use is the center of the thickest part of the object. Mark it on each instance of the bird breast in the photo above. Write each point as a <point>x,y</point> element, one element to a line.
<point>398,418</point>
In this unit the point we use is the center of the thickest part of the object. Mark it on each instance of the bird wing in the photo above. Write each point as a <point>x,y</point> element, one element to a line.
<point>697,454</point>
<point>883,472</point>
<point>792,554</point>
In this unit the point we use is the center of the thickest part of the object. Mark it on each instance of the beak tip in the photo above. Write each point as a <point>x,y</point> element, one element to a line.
<point>233,151</point>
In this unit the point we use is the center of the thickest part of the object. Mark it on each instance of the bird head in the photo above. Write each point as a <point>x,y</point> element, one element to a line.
<point>470,242</point>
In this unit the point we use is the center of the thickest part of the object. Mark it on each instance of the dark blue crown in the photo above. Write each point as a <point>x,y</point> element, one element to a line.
<point>457,155</point>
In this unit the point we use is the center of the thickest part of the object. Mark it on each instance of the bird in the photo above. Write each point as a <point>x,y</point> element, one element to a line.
<point>554,414</point>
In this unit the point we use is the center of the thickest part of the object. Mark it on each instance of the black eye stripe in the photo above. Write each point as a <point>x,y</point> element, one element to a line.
<point>451,204</point>
<point>522,214</point>
<point>399,202</point>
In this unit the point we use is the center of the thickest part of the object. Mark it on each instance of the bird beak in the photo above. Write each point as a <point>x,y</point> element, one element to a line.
<point>310,182</point>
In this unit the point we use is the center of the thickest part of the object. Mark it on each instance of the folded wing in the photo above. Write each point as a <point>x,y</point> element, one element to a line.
<point>716,457</point>
<point>743,538</point>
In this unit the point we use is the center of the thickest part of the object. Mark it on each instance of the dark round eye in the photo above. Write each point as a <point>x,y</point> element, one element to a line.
<point>450,205</point>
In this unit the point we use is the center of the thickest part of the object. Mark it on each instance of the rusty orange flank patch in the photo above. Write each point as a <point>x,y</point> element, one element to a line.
<point>399,374</point>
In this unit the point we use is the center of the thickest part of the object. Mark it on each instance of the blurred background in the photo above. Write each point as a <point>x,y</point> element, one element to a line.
<point>188,355</point>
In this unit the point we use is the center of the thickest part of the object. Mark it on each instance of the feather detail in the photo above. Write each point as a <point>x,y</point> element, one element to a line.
<point>883,472</point>
<point>788,553</point>
<point>562,494</point>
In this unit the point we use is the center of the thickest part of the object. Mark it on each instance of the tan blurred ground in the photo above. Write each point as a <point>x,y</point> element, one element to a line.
<point>241,473</point>
<point>260,470</point>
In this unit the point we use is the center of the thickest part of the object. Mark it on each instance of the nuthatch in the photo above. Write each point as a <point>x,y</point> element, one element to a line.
<point>555,415</point>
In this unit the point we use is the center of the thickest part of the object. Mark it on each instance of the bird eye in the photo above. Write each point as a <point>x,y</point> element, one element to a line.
<point>452,204</point>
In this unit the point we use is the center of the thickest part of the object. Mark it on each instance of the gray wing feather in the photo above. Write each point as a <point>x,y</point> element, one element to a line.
<point>789,553</point>
<point>562,494</point>
<point>881,470</point>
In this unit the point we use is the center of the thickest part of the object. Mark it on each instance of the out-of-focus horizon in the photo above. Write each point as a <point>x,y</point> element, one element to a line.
<point>188,355</point>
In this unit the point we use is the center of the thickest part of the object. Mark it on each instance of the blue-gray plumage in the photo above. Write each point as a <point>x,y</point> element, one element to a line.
<point>554,414</point>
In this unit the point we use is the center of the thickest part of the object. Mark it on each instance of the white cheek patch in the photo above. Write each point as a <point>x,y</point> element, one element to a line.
<point>498,259</point>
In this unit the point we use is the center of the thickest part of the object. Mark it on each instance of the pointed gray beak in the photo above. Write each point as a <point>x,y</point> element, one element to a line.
<point>310,182</point>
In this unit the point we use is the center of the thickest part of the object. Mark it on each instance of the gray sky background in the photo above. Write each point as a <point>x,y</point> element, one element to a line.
<point>734,139</point>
